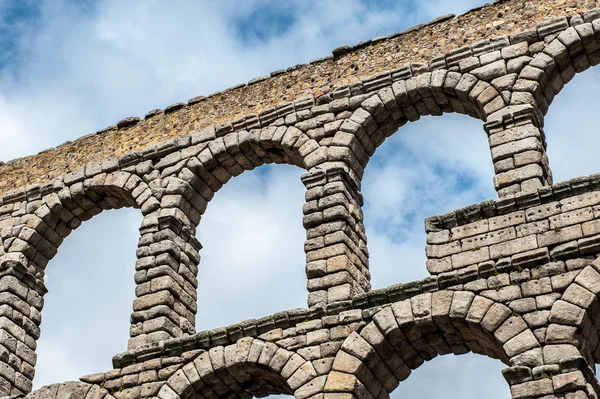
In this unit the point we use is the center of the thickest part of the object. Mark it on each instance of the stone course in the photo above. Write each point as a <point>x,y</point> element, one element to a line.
<point>516,279</point>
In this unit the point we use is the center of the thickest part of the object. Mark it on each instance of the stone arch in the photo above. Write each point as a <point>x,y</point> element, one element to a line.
<point>213,163</point>
<point>207,166</point>
<point>167,254</point>
<point>33,239</point>
<point>197,173</point>
<point>541,74</point>
<point>248,368</point>
<point>402,336</point>
<point>380,114</point>
<point>337,258</point>
<point>338,265</point>
<point>574,50</point>
<point>573,319</point>
<point>40,232</point>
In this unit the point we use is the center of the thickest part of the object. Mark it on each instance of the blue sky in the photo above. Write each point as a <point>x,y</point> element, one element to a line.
<point>70,68</point>
<point>16,18</point>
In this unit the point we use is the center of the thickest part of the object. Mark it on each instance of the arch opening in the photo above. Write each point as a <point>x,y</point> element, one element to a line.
<point>409,333</point>
<point>254,381</point>
<point>378,115</point>
<point>97,262</point>
<point>249,368</point>
<point>252,257</point>
<point>569,126</point>
<point>426,168</point>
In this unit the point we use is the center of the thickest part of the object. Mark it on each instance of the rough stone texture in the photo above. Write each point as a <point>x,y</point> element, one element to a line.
<point>516,279</point>
<point>447,37</point>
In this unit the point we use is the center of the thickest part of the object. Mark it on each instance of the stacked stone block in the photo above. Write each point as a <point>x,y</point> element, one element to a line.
<point>518,148</point>
<point>436,41</point>
<point>555,230</point>
<point>166,272</point>
<point>367,347</point>
<point>337,259</point>
<point>20,319</point>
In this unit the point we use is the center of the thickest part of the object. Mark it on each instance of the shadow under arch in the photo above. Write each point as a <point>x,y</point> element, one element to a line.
<point>403,336</point>
<point>249,368</point>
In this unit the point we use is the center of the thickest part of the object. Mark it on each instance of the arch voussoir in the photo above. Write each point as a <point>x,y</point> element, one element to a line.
<point>577,328</point>
<point>85,193</point>
<point>401,337</point>
<point>248,368</point>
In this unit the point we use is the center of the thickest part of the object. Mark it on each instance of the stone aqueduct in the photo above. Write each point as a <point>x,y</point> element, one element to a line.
<point>516,279</point>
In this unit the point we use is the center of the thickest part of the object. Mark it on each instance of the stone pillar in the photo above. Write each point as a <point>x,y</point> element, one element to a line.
<point>21,301</point>
<point>558,372</point>
<point>166,277</point>
<point>30,234</point>
<point>336,251</point>
<point>518,149</point>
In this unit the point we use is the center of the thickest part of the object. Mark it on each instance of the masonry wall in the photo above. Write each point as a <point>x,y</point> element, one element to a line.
<point>555,230</point>
<point>515,279</point>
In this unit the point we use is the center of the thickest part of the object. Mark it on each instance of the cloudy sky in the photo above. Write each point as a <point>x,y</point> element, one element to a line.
<point>68,68</point>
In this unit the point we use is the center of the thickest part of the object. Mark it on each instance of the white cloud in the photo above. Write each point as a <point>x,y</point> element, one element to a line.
<point>428,167</point>
<point>12,125</point>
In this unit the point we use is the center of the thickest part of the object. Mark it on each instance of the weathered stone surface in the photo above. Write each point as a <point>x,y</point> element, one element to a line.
<point>569,382</point>
<point>532,388</point>
<point>514,278</point>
